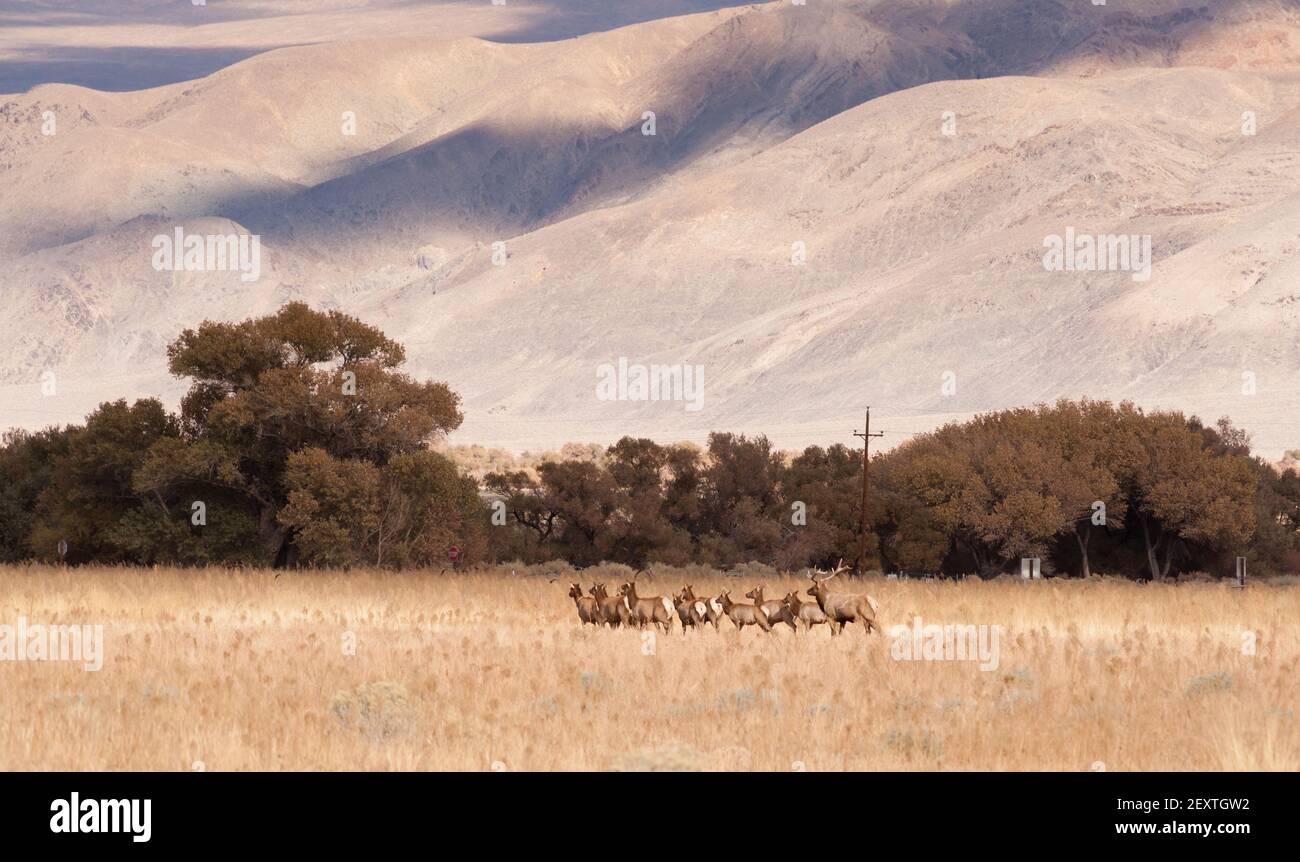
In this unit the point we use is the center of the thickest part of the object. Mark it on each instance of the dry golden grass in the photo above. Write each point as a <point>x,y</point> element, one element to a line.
<point>487,671</point>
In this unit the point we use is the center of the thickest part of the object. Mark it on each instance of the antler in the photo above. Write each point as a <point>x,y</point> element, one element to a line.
<point>840,569</point>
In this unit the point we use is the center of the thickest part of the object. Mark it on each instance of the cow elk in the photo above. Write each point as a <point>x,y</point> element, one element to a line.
<point>712,607</point>
<point>614,610</point>
<point>691,611</point>
<point>807,613</point>
<point>843,608</point>
<point>743,615</point>
<point>588,607</point>
<point>648,609</point>
<point>775,609</point>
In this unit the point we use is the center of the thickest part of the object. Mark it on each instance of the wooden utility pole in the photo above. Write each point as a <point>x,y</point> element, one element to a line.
<point>866,436</point>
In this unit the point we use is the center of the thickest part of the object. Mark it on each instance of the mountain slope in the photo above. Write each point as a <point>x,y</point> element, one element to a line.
<point>500,210</point>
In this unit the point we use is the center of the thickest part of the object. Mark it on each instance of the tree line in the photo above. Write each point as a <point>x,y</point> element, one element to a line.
<point>301,443</point>
<point>1083,485</point>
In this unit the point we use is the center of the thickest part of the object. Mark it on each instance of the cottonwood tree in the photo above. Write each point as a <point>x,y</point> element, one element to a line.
<point>27,465</point>
<point>407,513</point>
<point>938,472</point>
<point>1277,516</point>
<point>586,500</point>
<point>1083,434</point>
<point>642,531</point>
<point>521,494</point>
<point>1179,489</point>
<point>1009,483</point>
<point>267,388</point>
<point>828,484</point>
<point>89,502</point>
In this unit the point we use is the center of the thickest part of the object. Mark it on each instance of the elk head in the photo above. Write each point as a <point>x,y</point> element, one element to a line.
<point>628,590</point>
<point>724,599</point>
<point>756,594</point>
<point>818,589</point>
<point>575,591</point>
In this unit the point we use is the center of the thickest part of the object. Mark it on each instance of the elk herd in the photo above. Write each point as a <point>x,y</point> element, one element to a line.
<point>627,608</point>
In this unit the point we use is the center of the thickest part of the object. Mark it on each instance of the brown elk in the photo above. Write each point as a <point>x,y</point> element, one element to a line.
<point>614,610</point>
<point>588,607</point>
<point>775,610</point>
<point>690,611</point>
<point>843,608</point>
<point>712,608</point>
<point>743,615</point>
<point>648,609</point>
<point>806,612</point>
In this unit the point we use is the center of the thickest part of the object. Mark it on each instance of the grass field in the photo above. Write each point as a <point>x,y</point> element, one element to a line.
<point>329,671</point>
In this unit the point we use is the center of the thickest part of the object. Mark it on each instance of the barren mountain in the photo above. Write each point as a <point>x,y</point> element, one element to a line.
<point>841,204</point>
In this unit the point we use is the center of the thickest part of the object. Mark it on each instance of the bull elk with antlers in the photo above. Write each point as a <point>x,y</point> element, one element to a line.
<point>843,608</point>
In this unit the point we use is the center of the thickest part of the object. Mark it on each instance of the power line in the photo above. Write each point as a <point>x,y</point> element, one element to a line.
<point>866,436</point>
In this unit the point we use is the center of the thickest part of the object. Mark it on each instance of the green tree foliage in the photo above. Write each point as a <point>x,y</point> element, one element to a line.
<point>1146,493</point>
<point>828,484</point>
<point>89,502</point>
<point>298,380</point>
<point>296,426</point>
<point>406,513</point>
<point>1277,518</point>
<point>26,469</point>
<point>1014,483</point>
<point>1185,489</point>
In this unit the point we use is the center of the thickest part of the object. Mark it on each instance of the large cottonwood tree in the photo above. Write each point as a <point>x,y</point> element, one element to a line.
<point>266,389</point>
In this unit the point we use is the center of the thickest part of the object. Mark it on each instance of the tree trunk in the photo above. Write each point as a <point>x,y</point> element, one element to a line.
<point>274,536</point>
<point>1083,548</point>
<point>981,562</point>
<point>1151,548</point>
<point>1169,556</point>
<point>886,563</point>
